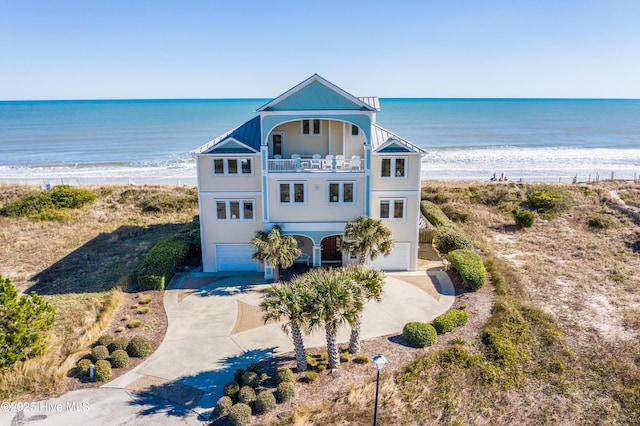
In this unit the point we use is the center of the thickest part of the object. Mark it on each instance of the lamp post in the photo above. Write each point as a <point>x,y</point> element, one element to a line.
<point>380,362</point>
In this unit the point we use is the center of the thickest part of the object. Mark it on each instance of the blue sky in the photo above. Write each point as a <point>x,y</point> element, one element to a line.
<point>83,49</point>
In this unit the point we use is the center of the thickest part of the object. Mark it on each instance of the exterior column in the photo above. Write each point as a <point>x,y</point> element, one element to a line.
<point>317,254</point>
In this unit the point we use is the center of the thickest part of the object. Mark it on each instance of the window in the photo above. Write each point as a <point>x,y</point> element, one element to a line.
<point>311,125</point>
<point>393,167</point>
<point>277,143</point>
<point>355,131</point>
<point>292,192</point>
<point>229,166</point>
<point>234,210</point>
<point>392,208</point>
<point>341,192</point>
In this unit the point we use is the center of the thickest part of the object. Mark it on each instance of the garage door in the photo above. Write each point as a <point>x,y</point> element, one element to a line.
<point>235,257</point>
<point>398,260</point>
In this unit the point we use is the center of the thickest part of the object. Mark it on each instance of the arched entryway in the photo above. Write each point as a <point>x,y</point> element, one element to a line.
<point>331,254</point>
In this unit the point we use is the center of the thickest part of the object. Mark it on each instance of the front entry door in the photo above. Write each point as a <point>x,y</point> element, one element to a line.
<point>331,253</point>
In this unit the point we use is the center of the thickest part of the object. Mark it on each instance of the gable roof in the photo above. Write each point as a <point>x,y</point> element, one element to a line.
<point>243,139</point>
<point>316,93</point>
<point>382,140</point>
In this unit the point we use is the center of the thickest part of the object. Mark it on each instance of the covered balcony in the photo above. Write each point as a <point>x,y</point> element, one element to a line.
<point>316,163</point>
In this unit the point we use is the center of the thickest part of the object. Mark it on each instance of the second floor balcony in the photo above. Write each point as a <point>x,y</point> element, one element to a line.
<point>316,163</point>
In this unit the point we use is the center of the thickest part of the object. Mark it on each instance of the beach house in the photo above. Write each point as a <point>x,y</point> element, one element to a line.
<point>311,160</point>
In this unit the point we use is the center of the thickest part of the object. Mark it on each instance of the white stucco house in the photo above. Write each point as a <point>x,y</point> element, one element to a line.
<point>311,160</point>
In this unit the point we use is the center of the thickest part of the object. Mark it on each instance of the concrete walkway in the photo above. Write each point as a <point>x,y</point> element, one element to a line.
<point>214,327</point>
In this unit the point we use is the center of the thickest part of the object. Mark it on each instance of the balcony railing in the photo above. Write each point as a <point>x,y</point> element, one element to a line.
<point>316,165</point>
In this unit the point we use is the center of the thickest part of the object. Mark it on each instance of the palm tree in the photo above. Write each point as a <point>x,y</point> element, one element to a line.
<point>334,304</point>
<point>290,301</point>
<point>368,237</point>
<point>276,249</point>
<point>367,285</point>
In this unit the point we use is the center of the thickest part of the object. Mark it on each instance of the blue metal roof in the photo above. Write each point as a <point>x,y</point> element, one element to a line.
<point>247,133</point>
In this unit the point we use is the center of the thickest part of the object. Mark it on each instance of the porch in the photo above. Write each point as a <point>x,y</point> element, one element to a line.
<point>315,163</point>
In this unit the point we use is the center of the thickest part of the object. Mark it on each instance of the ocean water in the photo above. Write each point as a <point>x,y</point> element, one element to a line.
<point>149,141</point>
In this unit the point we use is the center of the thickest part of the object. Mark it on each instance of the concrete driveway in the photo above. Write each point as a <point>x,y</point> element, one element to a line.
<point>214,327</point>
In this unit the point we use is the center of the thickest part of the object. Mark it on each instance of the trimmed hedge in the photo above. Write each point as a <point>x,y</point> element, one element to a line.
<point>161,263</point>
<point>470,267</point>
<point>119,359</point>
<point>83,367</point>
<point>223,406</point>
<point>434,214</point>
<point>239,415</point>
<point>284,375</point>
<point>231,390</point>
<point>249,378</point>
<point>99,352</point>
<point>139,347</point>
<point>285,391</point>
<point>265,402</point>
<point>449,238</point>
<point>102,371</point>
<point>450,320</point>
<point>120,342</point>
<point>419,334</point>
<point>105,340</point>
<point>246,395</point>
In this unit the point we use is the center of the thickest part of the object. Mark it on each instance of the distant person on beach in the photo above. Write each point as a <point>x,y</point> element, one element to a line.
<point>493,178</point>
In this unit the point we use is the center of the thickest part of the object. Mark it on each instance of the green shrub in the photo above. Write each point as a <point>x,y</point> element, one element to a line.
<point>69,197</point>
<point>237,374</point>
<point>44,205</point>
<point>284,375</point>
<point>434,215</point>
<point>223,406</point>
<point>120,342</point>
<point>499,348</point>
<point>161,263</point>
<point>99,352</point>
<point>231,390</point>
<point>166,203</point>
<point>134,323</point>
<point>139,347</point>
<point>143,310</point>
<point>311,376</point>
<point>105,340</point>
<point>119,358</point>
<point>249,378</point>
<point>361,359</point>
<point>600,221</point>
<point>457,355</point>
<point>239,415</point>
<point>102,371</point>
<point>549,201</point>
<point>419,334</point>
<point>23,324</point>
<point>524,218</point>
<point>456,214</point>
<point>265,402</point>
<point>246,395</point>
<point>256,367</point>
<point>450,320</point>
<point>83,367</point>
<point>285,391</point>
<point>470,267</point>
<point>145,300</point>
<point>344,356</point>
<point>448,238</point>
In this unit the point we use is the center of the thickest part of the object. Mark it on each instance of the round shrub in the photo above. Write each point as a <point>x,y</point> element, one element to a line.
<point>119,358</point>
<point>419,334</point>
<point>231,390</point>
<point>450,320</point>
<point>549,200</point>
<point>83,367</point>
<point>102,371</point>
<point>265,402</point>
<point>237,375</point>
<point>256,367</point>
<point>139,347</point>
<point>285,391</point>
<point>239,415</point>
<point>524,218</point>
<point>99,352</point>
<point>105,340</point>
<point>284,375</point>
<point>223,406</point>
<point>119,343</point>
<point>249,378</point>
<point>246,395</point>
<point>449,238</point>
<point>311,376</point>
<point>470,267</point>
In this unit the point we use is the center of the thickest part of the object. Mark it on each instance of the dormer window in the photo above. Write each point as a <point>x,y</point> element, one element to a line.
<point>311,127</point>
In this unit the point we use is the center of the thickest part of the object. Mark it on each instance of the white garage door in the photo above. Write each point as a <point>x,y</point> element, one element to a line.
<point>398,260</point>
<point>235,257</point>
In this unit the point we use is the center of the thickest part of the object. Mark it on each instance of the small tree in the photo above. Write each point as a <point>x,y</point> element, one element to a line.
<point>276,249</point>
<point>368,237</point>
<point>290,301</point>
<point>367,285</point>
<point>23,323</point>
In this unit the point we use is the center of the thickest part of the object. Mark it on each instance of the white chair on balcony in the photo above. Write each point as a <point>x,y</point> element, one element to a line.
<point>296,161</point>
<point>316,161</point>
<point>328,161</point>
<point>295,156</point>
<point>339,161</point>
<point>355,162</point>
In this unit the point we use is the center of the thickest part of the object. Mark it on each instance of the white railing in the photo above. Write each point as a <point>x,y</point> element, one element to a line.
<point>313,165</point>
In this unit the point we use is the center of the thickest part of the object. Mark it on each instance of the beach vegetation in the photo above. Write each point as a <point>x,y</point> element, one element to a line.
<point>470,267</point>
<point>447,238</point>
<point>52,204</point>
<point>434,214</point>
<point>456,213</point>
<point>524,218</point>
<point>549,201</point>
<point>600,221</point>
<point>169,203</point>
